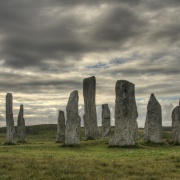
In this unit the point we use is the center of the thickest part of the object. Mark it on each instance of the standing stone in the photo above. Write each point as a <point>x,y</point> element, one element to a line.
<point>176,124</point>
<point>21,125</point>
<point>10,136</point>
<point>73,123</point>
<point>90,117</point>
<point>153,123</point>
<point>106,125</point>
<point>126,128</point>
<point>61,128</point>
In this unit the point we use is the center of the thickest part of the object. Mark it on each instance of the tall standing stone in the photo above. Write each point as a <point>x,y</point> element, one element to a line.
<point>73,123</point>
<point>21,125</point>
<point>153,123</point>
<point>126,127</point>
<point>10,136</point>
<point>61,128</point>
<point>176,124</point>
<point>90,117</point>
<point>106,124</point>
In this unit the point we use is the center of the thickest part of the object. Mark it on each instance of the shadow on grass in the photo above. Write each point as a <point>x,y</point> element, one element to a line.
<point>136,146</point>
<point>70,146</point>
<point>143,145</point>
<point>149,144</point>
<point>9,144</point>
<point>172,143</point>
<point>22,142</point>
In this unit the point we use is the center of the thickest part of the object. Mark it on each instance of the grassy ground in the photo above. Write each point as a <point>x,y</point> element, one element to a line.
<point>42,158</point>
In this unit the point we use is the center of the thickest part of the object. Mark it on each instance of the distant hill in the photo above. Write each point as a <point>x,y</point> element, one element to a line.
<point>36,129</point>
<point>164,128</point>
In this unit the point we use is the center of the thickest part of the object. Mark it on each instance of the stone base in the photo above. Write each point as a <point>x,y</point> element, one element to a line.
<point>115,141</point>
<point>10,143</point>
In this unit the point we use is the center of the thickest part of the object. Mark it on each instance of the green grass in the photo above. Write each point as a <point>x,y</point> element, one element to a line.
<point>42,158</point>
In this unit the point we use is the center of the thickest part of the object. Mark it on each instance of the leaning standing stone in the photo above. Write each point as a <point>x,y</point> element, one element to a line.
<point>176,124</point>
<point>153,123</point>
<point>90,117</point>
<point>61,128</point>
<point>21,125</point>
<point>106,124</point>
<point>10,136</point>
<point>73,123</point>
<point>126,127</point>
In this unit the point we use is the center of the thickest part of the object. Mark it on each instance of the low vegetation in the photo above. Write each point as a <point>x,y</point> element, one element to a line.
<point>41,158</point>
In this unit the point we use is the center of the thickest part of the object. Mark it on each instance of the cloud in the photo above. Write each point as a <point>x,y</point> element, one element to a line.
<point>54,35</point>
<point>48,47</point>
<point>117,25</point>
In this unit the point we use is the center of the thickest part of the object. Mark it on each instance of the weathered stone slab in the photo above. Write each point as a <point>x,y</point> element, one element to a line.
<point>73,123</point>
<point>90,117</point>
<point>106,121</point>
<point>153,123</point>
<point>21,125</point>
<point>10,135</point>
<point>126,127</point>
<point>176,124</point>
<point>61,128</point>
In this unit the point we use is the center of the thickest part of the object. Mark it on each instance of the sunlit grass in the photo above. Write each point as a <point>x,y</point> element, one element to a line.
<point>42,158</point>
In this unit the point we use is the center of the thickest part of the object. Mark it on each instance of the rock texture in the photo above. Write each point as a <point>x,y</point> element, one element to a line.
<point>61,128</point>
<point>21,125</point>
<point>106,122</point>
<point>73,123</point>
<point>126,127</point>
<point>10,136</point>
<point>176,124</point>
<point>153,123</point>
<point>90,117</point>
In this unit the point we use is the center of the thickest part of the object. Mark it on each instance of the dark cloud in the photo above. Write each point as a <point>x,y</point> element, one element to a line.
<point>170,34</point>
<point>34,33</point>
<point>31,37</point>
<point>23,83</point>
<point>159,4</point>
<point>118,25</point>
<point>95,2</point>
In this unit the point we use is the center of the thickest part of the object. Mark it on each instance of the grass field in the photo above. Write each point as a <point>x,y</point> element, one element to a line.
<point>42,158</point>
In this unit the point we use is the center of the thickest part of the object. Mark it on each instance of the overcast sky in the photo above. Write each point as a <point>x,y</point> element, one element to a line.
<point>47,48</point>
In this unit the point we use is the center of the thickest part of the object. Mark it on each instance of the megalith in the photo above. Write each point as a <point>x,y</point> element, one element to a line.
<point>126,127</point>
<point>153,123</point>
<point>61,128</point>
<point>10,129</point>
<point>106,121</point>
<point>176,124</point>
<point>73,122</point>
<point>21,125</point>
<point>90,116</point>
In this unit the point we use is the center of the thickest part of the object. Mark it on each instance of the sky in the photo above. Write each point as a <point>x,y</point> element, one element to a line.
<point>47,48</point>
